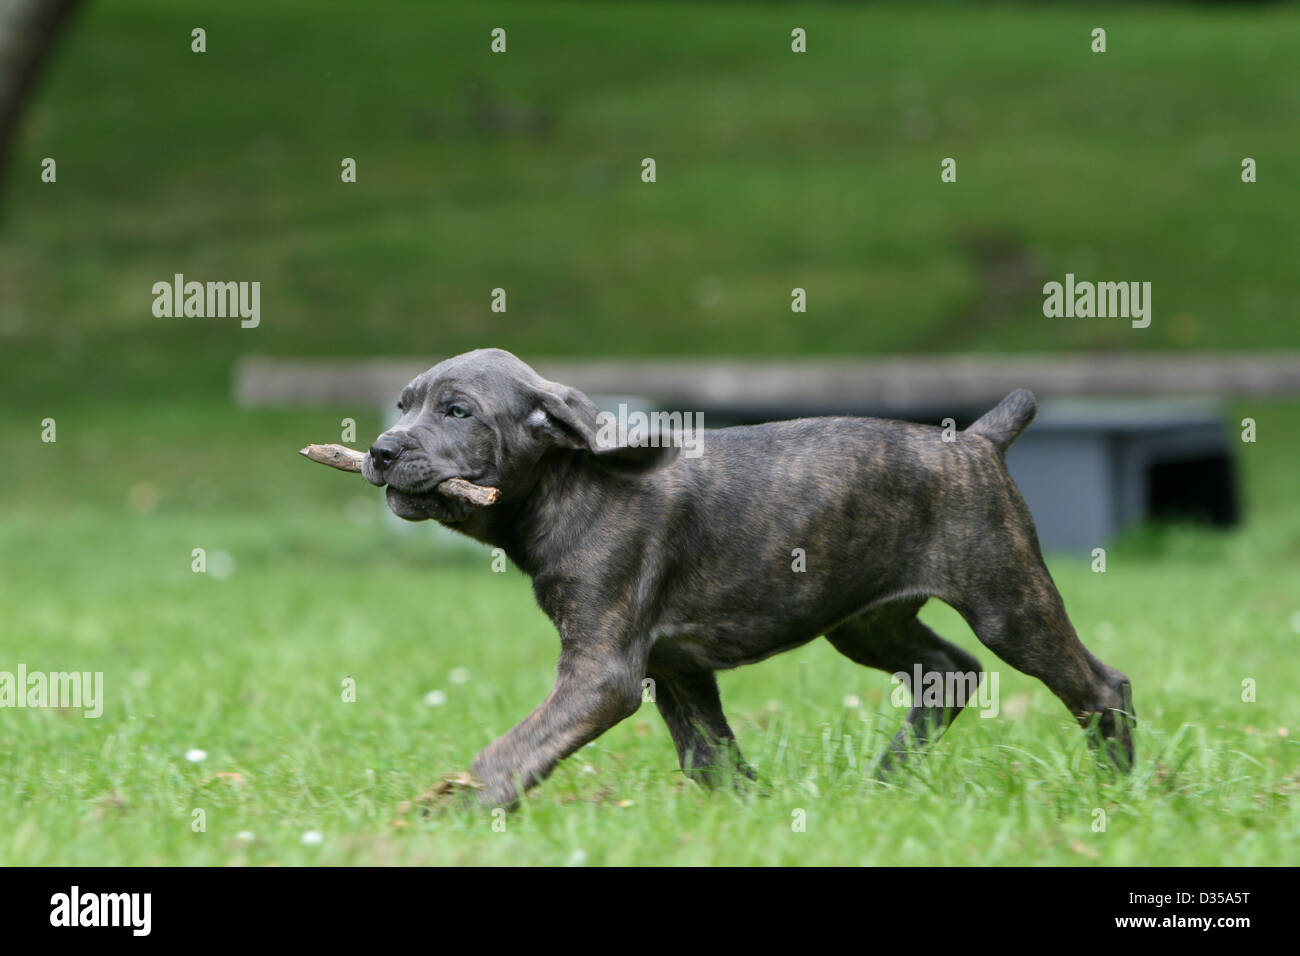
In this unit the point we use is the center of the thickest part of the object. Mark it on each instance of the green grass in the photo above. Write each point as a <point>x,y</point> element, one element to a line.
<point>250,669</point>
<point>775,171</point>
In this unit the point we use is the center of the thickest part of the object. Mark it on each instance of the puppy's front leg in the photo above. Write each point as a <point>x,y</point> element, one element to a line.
<point>594,690</point>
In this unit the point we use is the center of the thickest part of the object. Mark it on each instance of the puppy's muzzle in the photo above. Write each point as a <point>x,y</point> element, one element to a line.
<point>389,451</point>
<point>384,452</point>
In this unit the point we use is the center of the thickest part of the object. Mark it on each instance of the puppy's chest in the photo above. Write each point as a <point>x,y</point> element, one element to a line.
<point>721,646</point>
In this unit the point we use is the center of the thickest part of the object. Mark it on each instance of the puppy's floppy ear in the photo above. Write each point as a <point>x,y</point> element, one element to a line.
<point>568,419</point>
<point>564,416</point>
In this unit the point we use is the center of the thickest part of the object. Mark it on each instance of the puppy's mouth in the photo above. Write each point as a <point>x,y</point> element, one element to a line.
<point>409,475</point>
<point>425,506</point>
<point>417,486</point>
<point>411,492</point>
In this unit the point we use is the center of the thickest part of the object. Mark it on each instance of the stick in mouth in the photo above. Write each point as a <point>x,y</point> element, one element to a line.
<point>349,459</point>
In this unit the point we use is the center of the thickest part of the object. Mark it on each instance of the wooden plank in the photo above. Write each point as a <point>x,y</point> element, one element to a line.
<point>897,381</point>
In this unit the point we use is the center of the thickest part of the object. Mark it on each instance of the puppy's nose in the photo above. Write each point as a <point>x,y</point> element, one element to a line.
<point>384,452</point>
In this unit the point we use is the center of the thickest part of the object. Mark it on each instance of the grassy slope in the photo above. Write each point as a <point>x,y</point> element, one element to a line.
<point>819,171</point>
<point>775,170</point>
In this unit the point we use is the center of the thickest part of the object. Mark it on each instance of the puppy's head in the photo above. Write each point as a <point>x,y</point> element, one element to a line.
<point>484,416</point>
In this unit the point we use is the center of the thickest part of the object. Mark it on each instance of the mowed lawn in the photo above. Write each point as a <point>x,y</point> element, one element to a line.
<point>308,586</point>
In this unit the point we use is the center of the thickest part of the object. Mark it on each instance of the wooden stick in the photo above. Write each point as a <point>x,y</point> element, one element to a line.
<point>349,459</point>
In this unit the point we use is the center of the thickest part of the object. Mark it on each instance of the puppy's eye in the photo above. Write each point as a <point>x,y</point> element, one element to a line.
<point>458,411</point>
<point>401,406</point>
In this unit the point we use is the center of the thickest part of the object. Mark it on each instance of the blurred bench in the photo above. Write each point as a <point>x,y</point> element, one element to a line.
<point>1119,438</point>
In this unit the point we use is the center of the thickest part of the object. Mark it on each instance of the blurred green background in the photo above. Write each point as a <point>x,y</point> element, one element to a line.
<point>522,171</point>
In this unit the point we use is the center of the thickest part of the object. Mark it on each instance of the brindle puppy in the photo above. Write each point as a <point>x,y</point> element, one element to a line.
<point>654,564</point>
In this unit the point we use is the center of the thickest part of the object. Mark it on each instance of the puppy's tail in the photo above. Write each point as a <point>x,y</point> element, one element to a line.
<point>1003,424</point>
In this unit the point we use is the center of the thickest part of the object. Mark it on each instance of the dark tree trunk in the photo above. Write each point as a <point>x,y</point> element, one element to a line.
<point>28,31</point>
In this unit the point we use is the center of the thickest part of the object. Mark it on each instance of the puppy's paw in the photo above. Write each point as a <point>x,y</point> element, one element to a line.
<point>455,791</point>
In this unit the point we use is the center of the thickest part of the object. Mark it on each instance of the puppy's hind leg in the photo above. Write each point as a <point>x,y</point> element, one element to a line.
<point>686,694</point>
<point>1021,618</point>
<point>891,639</point>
